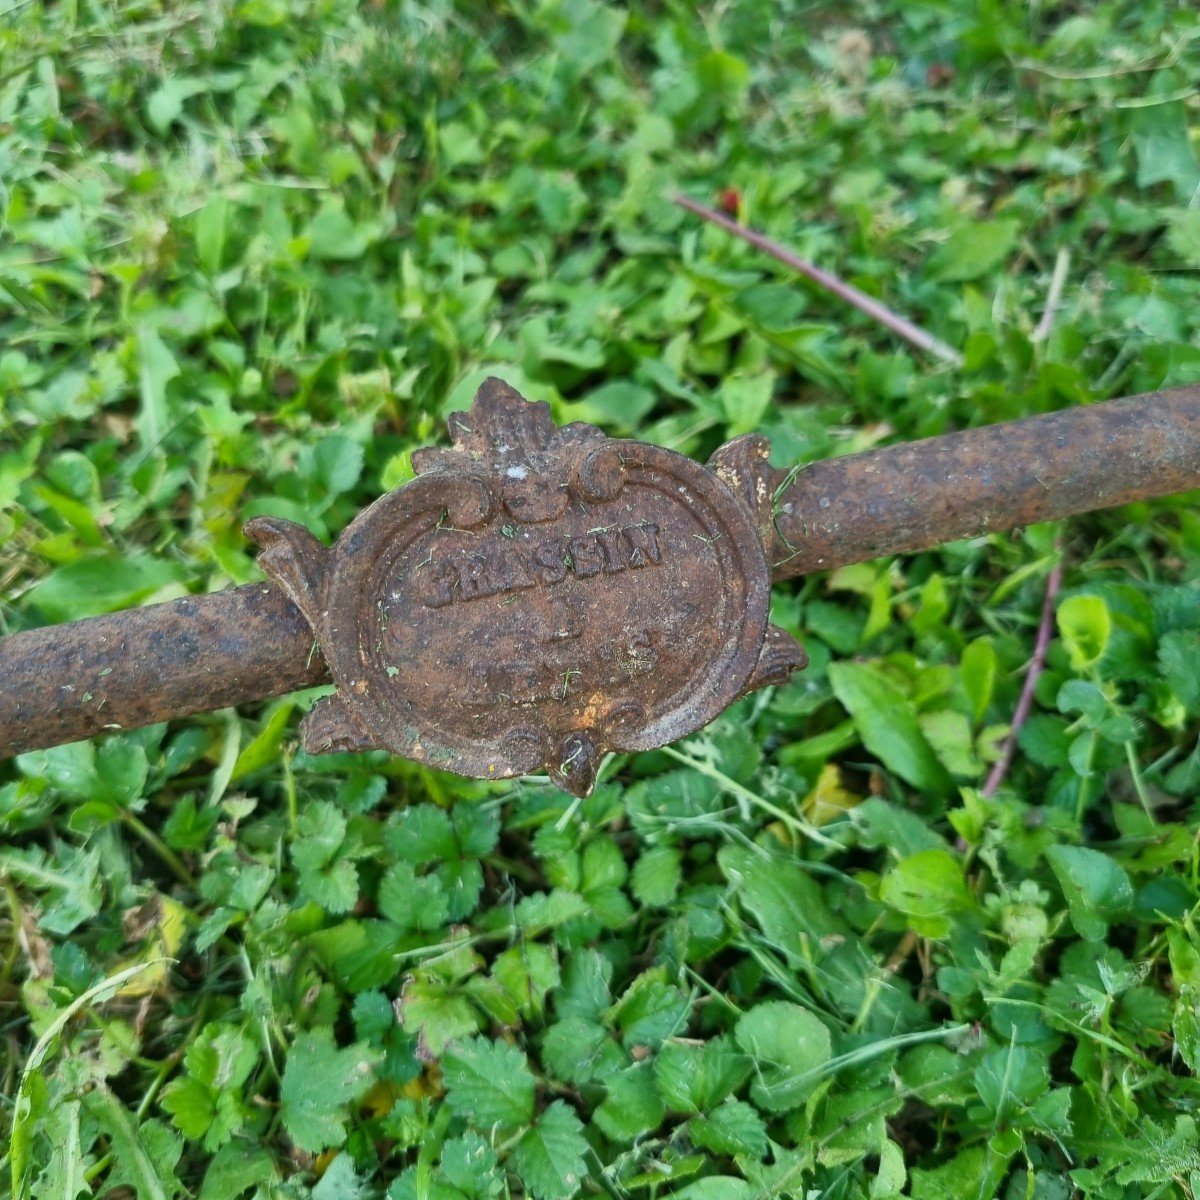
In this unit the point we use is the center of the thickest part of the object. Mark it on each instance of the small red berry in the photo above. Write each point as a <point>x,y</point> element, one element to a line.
<point>730,201</point>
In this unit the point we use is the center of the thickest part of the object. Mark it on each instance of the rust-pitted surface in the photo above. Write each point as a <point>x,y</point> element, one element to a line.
<point>916,495</point>
<point>522,623</point>
<point>129,669</point>
<point>535,598</point>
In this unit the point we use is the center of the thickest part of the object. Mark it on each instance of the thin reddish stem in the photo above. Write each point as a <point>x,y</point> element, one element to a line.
<point>1037,664</point>
<point>901,326</point>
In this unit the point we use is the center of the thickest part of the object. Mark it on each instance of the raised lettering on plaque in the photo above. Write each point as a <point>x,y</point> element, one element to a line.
<point>536,597</point>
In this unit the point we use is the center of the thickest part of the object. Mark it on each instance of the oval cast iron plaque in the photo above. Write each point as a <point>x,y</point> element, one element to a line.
<point>538,596</point>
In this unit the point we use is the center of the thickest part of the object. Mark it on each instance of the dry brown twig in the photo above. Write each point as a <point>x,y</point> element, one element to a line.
<point>1036,665</point>
<point>1058,280</point>
<point>901,326</point>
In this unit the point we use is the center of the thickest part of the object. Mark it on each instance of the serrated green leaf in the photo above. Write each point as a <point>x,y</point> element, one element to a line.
<point>66,1174</point>
<point>656,876</point>
<point>1179,661</point>
<point>334,887</point>
<point>236,1167</point>
<point>470,1164</point>
<point>144,1156</point>
<point>320,1082</point>
<point>631,1107</point>
<point>550,1158</point>
<point>577,1051</point>
<point>650,1011</point>
<point>488,1082</point>
<point>547,910</point>
<point>422,834</point>
<point>320,831</point>
<point>437,1014</point>
<point>410,901</point>
<point>733,1128</point>
<point>693,1079</point>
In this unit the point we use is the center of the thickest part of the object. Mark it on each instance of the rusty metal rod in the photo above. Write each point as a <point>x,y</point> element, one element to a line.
<point>916,495</point>
<point>134,668</point>
<point>128,669</point>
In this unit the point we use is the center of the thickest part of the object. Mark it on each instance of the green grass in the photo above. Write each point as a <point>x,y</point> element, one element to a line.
<point>251,255</point>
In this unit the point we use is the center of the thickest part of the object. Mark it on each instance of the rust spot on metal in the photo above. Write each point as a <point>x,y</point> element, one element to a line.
<point>535,598</point>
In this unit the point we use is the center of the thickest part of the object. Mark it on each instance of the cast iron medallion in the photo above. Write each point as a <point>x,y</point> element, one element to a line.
<point>536,597</point>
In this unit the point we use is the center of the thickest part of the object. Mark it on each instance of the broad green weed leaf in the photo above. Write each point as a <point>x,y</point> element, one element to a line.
<point>745,399</point>
<point>716,1187</point>
<point>892,1175</point>
<point>1045,740</point>
<point>1097,888</point>
<point>411,901</point>
<point>422,834</point>
<point>586,989</point>
<point>656,876</point>
<point>578,1051</point>
<point>165,104</point>
<point>619,404</point>
<point>212,229</point>
<point>974,249</point>
<point>157,367</point>
<point>1010,1079</point>
<point>949,733</point>
<point>979,667</point>
<point>651,1010</point>
<point>69,886</point>
<point>66,1174</point>
<point>585,31</point>
<point>1163,148</point>
<point>789,1046</point>
<point>471,1165</point>
<point>337,464</point>
<point>693,1079</point>
<point>928,888</point>
<point>1086,625</point>
<point>341,1182</point>
<point>883,825</point>
<point>437,1013</point>
<point>888,725</point>
<point>333,235</point>
<point>91,586</point>
<point>546,910</point>
<point>975,1172</point>
<point>1179,661</point>
<point>784,899</point>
